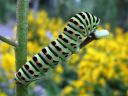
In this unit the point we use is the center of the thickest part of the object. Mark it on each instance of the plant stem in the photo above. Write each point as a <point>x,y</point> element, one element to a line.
<point>21,49</point>
<point>88,40</point>
<point>8,41</point>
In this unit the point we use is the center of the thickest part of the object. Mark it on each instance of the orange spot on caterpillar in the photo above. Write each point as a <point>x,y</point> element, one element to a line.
<point>62,37</point>
<point>55,45</point>
<point>46,53</point>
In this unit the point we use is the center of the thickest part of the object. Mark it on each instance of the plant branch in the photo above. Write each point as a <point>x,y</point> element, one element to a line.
<point>21,36</point>
<point>8,41</point>
<point>88,40</point>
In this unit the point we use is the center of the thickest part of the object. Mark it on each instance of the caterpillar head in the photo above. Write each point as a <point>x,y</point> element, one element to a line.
<point>94,23</point>
<point>90,21</point>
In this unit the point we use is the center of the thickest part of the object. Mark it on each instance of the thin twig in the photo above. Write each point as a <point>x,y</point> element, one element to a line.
<point>8,41</point>
<point>88,40</point>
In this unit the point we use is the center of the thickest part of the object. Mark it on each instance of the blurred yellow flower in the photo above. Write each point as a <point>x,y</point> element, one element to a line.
<point>59,69</point>
<point>74,58</point>
<point>127,92</point>
<point>78,83</point>
<point>41,32</point>
<point>29,35</point>
<point>118,30</point>
<point>39,21</point>
<point>12,85</point>
<point>116,93</point>
<point>107,26</point>
<point>4,47</point>
<point>31,16</point>
<point>102,81</point>
<point>82,92</point>
<point>55,34</point>
<point>57,79</point>
<point>67,90</point>
<point>42,14</point>
<point>8,62</point>
<point>99,28</point>
<point>95,74</point>
<point>32,47</point>
<point>2,94</point>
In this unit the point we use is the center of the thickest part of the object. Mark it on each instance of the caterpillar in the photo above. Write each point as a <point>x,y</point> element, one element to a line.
<point>68,42</point>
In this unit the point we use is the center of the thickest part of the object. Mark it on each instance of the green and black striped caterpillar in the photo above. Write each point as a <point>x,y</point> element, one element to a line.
<point>68,42</point>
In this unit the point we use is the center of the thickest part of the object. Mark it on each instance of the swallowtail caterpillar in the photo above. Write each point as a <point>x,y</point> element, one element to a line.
<point>79,27</point>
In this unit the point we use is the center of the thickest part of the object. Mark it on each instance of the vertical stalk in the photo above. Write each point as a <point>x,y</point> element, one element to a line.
<point>21,48</point>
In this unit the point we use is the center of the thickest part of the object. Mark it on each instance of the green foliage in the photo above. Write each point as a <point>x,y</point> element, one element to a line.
<point>7,9</point>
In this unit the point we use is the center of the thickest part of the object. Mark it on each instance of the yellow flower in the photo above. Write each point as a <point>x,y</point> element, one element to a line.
<point>12,85</point>
<point>107,26</point>
<point>116,93</point>
<point>57,79</point>
<point>41,32</point>
<point>29,35</point>
<point>110,74</point>
<point>119,31</point>
<point>59,69</point>
<point>127,93</point>
<point>4,47</point>
<point>74,58</point>
<point>2,94</point>
<point>39,21</point>
<point>32,47</point>
<point>83,92</point>
<point>102,82</point>
<point>31,16</point>
<point>8,62</point>
<point>77,83</point>
<point>67,90</point>
<point>99,28</point>
<point>42,14</point>
<point>95,74</point>
<point>55,34</point>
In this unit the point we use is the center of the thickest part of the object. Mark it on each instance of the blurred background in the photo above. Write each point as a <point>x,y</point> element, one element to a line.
<point>100,69</point>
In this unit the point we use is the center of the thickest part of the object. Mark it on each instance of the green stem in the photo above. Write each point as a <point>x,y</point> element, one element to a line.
<point>21,49</point>
<point>8,41</point>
